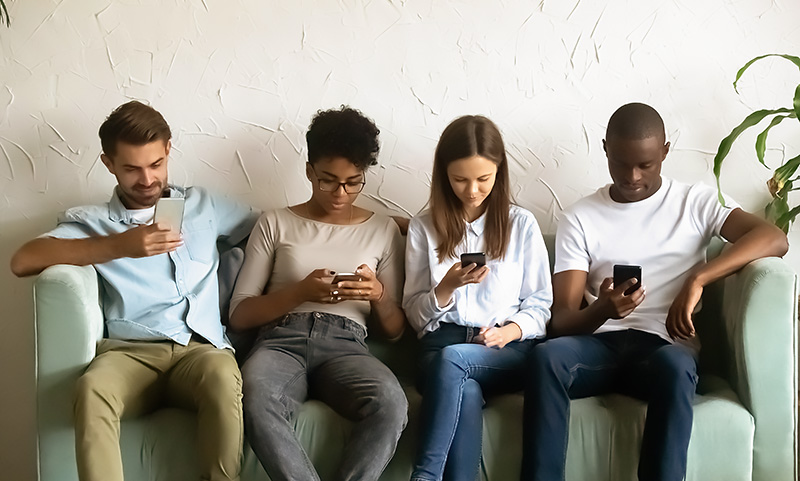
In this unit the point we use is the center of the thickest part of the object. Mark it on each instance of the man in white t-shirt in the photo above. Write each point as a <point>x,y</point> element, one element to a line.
<point>639,343</point>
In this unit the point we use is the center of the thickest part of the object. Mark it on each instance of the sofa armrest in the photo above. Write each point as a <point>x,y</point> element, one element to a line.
<point>760,317</point>
<point>68,323</point>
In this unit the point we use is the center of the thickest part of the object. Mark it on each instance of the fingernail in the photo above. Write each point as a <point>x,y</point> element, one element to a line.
<point>335,292</point>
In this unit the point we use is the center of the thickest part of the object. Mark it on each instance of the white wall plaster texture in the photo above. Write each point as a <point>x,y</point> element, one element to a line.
<point>239,80</point>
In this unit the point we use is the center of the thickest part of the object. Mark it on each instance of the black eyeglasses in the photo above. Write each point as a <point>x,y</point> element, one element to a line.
<point>332,185</point>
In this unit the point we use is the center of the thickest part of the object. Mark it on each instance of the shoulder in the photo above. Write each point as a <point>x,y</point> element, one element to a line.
<point>522,218</point>
<point>85,213</point>
<point>421,222</point>
<point>384,223</point>
<point>597,200</point>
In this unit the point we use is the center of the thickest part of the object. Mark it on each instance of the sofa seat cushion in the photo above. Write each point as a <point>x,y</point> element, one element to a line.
<point>603,446</point>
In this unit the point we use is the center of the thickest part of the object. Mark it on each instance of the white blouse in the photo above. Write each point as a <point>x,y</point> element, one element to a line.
<point>517,289</point>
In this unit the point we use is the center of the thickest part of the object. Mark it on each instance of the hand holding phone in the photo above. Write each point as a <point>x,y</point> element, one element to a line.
<point>622,273</point>
<point>169,211</point>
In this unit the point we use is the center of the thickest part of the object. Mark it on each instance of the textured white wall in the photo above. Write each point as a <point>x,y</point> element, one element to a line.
<point>238,81</point>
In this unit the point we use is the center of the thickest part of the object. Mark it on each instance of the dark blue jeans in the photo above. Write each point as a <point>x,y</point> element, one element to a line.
<point>324,356</point>
<point>455,375</point>
<point>630,362</point>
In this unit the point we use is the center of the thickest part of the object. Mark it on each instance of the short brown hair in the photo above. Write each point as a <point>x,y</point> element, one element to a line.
<point>133,123</point>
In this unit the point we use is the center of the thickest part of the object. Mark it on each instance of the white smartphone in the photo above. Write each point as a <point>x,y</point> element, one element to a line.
<point>169,211</point>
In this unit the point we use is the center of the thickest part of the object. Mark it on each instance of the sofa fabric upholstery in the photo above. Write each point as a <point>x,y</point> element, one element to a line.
<point>745,412</point>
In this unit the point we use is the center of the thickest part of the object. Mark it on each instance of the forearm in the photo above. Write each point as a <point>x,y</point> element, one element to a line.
<point>390,317</point>
<point>39,254</point>
<point>764,241</point>
<point>259,310</point>
<point>569,322</point>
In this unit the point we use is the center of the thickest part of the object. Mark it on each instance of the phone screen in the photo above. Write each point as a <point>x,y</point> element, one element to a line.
<point>477,258</point>
<point>169,211</point>
<point>624,272</point>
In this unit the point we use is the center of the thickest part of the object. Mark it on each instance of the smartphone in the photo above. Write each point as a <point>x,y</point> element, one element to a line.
<point>477,258</point>
<point>169,211</point>
<point>345,276</point>
<point>624,272</point>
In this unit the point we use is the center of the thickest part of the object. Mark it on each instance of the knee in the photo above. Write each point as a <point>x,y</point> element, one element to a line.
<point>94,394</point>
<point>673,366</point>
<point>220,378</point>
<point>544,358</point>
<point>472,396</point>
<point>390,402</point>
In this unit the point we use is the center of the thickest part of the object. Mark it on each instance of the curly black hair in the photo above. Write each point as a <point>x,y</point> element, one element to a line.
<point>345,132</point>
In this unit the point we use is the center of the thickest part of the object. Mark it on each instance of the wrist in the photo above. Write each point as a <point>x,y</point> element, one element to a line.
<point>513,330</point>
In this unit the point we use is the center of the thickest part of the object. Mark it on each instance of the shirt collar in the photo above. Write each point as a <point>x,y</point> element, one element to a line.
<point>117,212</point>
<point>478,225</point>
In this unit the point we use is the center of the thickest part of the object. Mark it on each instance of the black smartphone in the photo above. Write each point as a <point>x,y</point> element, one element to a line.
<point>624,272</point>
<point>477,258</point>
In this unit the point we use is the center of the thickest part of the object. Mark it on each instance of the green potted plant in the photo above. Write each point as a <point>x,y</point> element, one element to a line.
<point>783,180</point>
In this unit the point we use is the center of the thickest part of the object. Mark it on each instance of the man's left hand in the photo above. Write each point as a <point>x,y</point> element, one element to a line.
<point>679,318</point>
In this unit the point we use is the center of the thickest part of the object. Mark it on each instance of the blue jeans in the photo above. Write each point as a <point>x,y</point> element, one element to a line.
<point>455,374</point>
<point>325,356</point>
<point>631,362</point>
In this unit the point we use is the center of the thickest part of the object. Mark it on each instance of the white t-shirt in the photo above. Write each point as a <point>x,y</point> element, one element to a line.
<point>667,234</point>
<point>517,288</point>
<point>285,247</point>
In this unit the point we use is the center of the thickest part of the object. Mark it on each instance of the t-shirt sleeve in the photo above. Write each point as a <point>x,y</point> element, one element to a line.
<point>708,213</point>
<point>258,260</point>
<point>572,253</point>
<point>390,267</point>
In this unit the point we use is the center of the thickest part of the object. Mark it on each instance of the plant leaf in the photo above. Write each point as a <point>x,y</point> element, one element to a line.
<point>761,140</point>
<point>796,101</point>
<point>791,58</point>
<point>784,172</point>
<point>4,13</point>
<point>775,209</point>
<point>725,145</point>
<point>785,220</point>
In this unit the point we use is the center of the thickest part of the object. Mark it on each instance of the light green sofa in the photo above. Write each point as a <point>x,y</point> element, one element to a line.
<point>745,412</point>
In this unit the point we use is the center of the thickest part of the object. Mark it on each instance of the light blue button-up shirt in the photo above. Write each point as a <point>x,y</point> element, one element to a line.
<point>166,296</point>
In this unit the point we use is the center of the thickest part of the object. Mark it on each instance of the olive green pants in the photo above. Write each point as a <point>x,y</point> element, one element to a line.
<point>128,379</point>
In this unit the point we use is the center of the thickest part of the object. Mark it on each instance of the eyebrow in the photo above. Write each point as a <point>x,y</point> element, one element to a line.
<point>352,177</point>
<point>131,166</point>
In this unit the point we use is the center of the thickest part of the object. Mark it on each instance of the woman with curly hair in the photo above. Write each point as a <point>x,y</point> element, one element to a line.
<point>476,316</point>
<point>312,324</point>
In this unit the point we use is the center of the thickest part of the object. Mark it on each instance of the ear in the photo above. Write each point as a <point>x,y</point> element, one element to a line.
<point>309,171</point>
<point>604,146</point>
<point>108,163</point>
<point>666,149</point>
<point>168,147</point>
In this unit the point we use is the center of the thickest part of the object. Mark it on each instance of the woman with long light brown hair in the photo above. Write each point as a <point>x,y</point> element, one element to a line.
<point>478,292</point>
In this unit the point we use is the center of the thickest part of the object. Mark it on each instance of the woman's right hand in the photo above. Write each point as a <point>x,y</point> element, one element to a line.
<point>456,277</point>
<point>316,287</point>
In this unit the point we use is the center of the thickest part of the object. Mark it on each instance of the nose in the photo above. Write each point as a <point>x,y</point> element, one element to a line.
<point>473,188</point>
<point>633,176</point>
<point>340,191</point>
<point>147,178</point>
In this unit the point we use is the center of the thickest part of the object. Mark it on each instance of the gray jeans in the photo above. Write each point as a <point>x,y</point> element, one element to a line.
<point>324,356</point>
